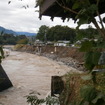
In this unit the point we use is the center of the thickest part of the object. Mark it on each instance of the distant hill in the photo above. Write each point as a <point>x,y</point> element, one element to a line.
<point>16,33</point>
<point>7,31</point>
<point>26,33</point>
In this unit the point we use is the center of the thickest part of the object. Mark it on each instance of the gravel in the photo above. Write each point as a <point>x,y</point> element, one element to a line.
<point>66,60</point>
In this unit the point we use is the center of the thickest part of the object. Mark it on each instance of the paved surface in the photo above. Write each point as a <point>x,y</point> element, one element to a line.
<point>29,73</point>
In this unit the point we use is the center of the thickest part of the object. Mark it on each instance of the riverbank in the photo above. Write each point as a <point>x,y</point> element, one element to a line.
<point>69,56</point>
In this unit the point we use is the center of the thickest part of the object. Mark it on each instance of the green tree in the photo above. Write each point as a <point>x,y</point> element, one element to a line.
<point>41,35</point>
<point>11,41</point>
<point>89,33</point>
<point>61,33</point>
<point>21,37</point>
<point>22,41</point>
<point>7,39</point>
<point>85,12</point>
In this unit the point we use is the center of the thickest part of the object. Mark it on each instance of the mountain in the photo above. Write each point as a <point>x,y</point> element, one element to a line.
<point>26,33</point>
<point>7,31</point>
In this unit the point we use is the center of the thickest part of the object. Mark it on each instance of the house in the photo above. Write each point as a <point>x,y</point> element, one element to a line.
<point>50,43</point>
<point>62,43</point>
<point>38,43</point>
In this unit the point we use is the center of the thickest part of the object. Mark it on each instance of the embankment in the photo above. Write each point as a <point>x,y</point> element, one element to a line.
<point>68,55</point>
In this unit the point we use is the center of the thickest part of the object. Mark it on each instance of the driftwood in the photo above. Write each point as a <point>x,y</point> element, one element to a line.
<point>5,83</point>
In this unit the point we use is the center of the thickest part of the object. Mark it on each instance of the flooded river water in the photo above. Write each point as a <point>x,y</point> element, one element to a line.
<point>28,73</point>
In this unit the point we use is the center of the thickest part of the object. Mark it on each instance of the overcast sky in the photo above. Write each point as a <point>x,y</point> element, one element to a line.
<point>13,16</point>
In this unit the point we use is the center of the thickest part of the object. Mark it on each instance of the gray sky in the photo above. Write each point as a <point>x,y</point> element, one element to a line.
<point>13,16</point>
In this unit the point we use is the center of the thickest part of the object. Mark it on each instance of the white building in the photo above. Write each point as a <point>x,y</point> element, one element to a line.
<point>62,43</point>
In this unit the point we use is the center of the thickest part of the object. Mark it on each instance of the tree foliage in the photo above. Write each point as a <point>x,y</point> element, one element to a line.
<point>82,12</point>
<point>33,99</point>
<point>85,12</point>
<point>22,41</point>
<point>56,33</point>
<point>42,32</point>
<point>10,39</point>
<point>61,33</point>
<point>89,33</point>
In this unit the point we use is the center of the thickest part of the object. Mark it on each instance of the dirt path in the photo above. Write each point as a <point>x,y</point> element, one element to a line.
<point>29,73</point>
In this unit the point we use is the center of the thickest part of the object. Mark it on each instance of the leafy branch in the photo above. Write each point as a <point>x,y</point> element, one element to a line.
<point>33,99</point>
<point>84,13</point>
<point>67,8</point>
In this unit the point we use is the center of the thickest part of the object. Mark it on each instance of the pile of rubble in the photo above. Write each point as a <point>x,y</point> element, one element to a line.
<point>66,60</point>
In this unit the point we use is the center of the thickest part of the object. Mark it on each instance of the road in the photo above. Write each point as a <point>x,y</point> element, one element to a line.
<point>29,73</point>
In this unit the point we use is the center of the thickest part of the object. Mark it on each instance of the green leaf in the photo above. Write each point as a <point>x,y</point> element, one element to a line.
<point>89,66</point>
<point>93,8</point>
<point>86,13</point>
<point>95,57</point>
<point>83,17</point>
<point>100,95</point>
<point>89,61</point>
<point>83,20</point>
<point>88,93</point>
<point>87,77</point>
<point>102,59</point>
<point>67,1</point>
<point>101,44</point>
<point>76,5</point>
<point>86,46</point>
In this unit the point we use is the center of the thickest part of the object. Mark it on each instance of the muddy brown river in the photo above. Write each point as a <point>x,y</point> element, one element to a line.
<point>29,73</point>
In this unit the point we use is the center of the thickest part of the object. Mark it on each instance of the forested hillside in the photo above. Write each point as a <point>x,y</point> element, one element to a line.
<point>10,39</point>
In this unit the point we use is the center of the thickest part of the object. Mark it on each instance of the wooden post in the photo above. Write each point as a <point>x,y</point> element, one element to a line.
<point>55,50</point>
<point>57,85</point>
